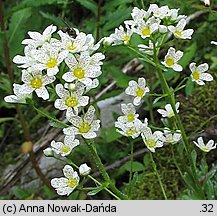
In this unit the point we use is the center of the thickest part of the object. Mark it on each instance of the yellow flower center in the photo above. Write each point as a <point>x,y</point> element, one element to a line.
<point>72,182</point>
<point>79,73</point>
<point>131,131</point>
<point>196,75</point>
<point>130,117</point>
<point>36,83</point>
<point>84,127</point>
<point>71,102</point>
<point>170,61</point>
<point>205,149</point>
<point>51,63</point>
<point>126,38</point>
<point>146,31</point>
<point>179,33</point>
<point>65,149</point>
<point>150,143</point>
<point>72,47</point>
<point>139,92</point>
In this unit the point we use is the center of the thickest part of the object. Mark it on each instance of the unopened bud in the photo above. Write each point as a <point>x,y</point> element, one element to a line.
<point>48,152</point>
<point>107,41</point>
<point>26,147</point>
<point>84,169</point>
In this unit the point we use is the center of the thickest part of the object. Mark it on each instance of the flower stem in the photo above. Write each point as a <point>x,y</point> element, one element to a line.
<point>158,176</point>
<point>102,169</point>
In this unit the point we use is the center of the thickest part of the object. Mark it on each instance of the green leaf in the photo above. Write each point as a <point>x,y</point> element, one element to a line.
<point>6,119</point>
<point>54,19</point>
<point>96,190</point>
<point>56,124</point>
<point>194,158</point>
<point>136,166</point>
<point>189,87</point>
<point>110,135</point>
<point>189,54</point>
<point>90,5</point>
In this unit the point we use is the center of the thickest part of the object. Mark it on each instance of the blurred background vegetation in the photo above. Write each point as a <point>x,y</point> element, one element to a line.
<point>100,18</point>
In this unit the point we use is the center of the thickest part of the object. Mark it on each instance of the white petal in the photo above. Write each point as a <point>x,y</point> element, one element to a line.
<point>68,77</point>
<point>89,115</point>
<point>70,131</point>
<point>137,101</point>
<point>177,67</point>
<point>48,79</point>
<point>206,77</point>
<point>60,104</point>
<point>59,182</point>
<point>26,76</point>
<point>61,92</point>
<point>89,135</point>
<point>192,66</point>
<point>68,171</point>
<point>203,67</point>
<point>43,93</point>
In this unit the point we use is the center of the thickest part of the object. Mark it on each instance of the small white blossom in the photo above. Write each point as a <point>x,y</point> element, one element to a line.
<point>48,152</point>
<point>129,112</point>
<point>147,49</point>
<point>64,148</point>
<point>36,81</point>
<point>198,74</point>
<point>49,58</point>
<point>179,31</point>
<point>172,58</point>
<point>73,45</point>
<point>171,137</point>
<point>158,12</point>
<point>70,100</point>
<point>84,170</point>
<point>174,16</point>
<point>206,2</point>
<point>206,148</point>
<point>85,126</point>
<point>65,185</point>
<point>82,69</point>
<point>168,112</point>
<point>137,89</point>
<point>38,39</point>
<point>19,96</point>
<point>122,36</point>
<point>146,28</point>
<point>131,129</point>
<point>153,140</point>
<point>27,60</point>
<point>214,43</point>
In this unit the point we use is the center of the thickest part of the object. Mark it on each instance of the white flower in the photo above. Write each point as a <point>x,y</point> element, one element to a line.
<point>146,28</point>
<point>66,147</point>
<point>168,112</point>
<point>65,185</point>
<point>49,58</point>
<point>84,169</point>
<point>48,152</point>
<point>158,12</point>
<point>214,43</point>
<point>121,36</point>
<point>174,16</point>
<point>179,31</point>
<point>172,58</point>
<point>81,69</point>
<point>129,112</point>
<point>171,137</point>
<point>147,49</point>
<point>36,81</point>
<point>132,129</point>
<point>70,100</point>
<point>85,126</point>
<point>206,148</point>
<point>73,45</point>
<point>153,140</point>
<point>198,74</point>
<point>137,89</point>
<point>19,95</point>
<point>206,2</point>
<point>38,39</point>
<point>27,60</point>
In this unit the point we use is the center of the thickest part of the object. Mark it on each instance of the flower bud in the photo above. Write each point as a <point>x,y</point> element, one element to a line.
<point>107,41</point>
<point>26,147</point>
<point>48,152</point>
<point>84,169</point>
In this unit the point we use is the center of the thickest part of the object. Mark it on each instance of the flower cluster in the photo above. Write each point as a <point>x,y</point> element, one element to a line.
<point>52,61</point>
<point>130,125</point>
